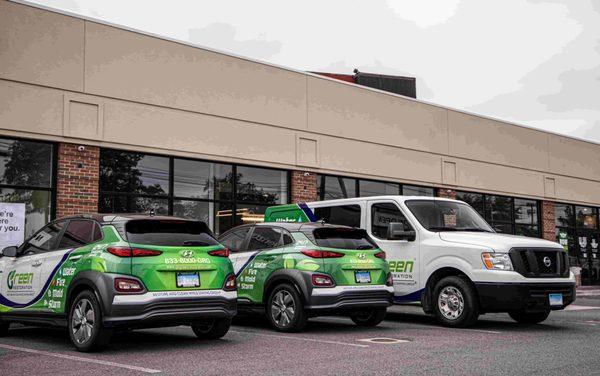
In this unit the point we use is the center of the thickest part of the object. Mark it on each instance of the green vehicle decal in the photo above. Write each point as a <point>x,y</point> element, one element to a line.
<point>25,289</point>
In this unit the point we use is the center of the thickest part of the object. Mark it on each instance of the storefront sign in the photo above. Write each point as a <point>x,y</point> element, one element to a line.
<point>12,224</point>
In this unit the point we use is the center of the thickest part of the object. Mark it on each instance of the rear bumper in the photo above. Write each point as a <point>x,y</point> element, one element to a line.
<point>170,308</point>
<point>349,298</point>
<point>530,297</point>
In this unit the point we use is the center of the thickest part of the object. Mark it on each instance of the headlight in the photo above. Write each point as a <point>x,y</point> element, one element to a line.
<point>496,261</point>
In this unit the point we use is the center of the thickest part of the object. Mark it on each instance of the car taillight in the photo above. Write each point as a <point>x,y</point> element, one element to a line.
<point>128,285</point>
<point>389,281</point>
<point>132,252</point>
<point>230,283</point>
<point>220,252</point>
<point>380,255</point>
<point>322,280</point>
<point>322,254</point>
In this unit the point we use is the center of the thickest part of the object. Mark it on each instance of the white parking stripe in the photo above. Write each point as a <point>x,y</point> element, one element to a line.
<point>80,359</point>
<point>297,338</point>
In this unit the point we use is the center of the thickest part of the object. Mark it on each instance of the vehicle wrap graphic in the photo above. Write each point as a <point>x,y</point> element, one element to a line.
<point>60,268</point>
<point>253,272</point>
<point>290,213</point>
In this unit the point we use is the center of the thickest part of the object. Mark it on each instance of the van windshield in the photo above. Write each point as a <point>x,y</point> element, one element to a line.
<point>169,232</point>
<point>343,238</point>
<point>437,215</point>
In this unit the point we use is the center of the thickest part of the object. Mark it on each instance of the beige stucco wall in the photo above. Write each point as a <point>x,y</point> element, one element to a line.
<point>64,78</point>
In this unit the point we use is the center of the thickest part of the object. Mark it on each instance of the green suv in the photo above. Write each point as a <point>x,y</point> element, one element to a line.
<point>96,273</point>
<point>292,271</point>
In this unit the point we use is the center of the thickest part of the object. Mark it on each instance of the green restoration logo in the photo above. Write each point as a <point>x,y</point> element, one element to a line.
<point>18,279</point>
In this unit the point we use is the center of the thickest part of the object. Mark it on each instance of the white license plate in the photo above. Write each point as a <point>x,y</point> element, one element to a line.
<point>188,280</point>
<point>555,300</point>
<point>362,277</point>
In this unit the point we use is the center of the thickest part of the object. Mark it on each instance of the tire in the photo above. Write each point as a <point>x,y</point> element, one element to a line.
<point>211,329</point>
<point>370,317</point>
<point>529,318</point>
<point>86,337</point>
<point>4,326</point>
<point>285,309</point>
<point>455,303</point>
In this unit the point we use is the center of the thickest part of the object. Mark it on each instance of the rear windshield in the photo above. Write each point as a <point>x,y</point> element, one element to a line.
<point>343,238</point>
<point>169,233</point>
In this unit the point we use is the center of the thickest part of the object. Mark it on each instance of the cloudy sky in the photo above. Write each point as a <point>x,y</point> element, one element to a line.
<point>534,62</point>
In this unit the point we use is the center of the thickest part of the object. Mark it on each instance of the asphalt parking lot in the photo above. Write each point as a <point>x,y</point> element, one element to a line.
<point>407,342</point>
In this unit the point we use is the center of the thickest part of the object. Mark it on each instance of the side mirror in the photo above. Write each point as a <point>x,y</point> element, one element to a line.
<point>10,251</point>
<point>396,231</point>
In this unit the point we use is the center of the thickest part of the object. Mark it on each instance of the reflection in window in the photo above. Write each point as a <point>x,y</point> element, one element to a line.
<point>261,185</point>
<point>586,217</point>
<point>377,188</point>
<point>473,199</point>
<point>197,179</point>
<point>411,190</point>
<point>128,172</point>
<point>335,187</point>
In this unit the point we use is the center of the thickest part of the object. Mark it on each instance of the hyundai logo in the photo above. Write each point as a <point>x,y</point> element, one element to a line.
<point>547,261</point>
<point>361,256</point>
<point>187,253</point>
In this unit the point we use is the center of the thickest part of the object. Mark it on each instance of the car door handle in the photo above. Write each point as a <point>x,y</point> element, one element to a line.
<point>75,258</point>
<point>37,263</point>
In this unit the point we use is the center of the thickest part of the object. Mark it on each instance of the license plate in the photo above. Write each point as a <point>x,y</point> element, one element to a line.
<point>188,280</point>
<point>555,300</point>
<point>362,277</point>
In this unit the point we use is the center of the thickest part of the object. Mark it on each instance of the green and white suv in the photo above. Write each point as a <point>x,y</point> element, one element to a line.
<point>292,271</point>
<point>96,273</point>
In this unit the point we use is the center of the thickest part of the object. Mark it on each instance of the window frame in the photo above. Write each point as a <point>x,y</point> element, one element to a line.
<point>400,186</point>
<point>171,198</point>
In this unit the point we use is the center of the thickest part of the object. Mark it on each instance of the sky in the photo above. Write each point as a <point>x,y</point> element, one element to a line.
<point>532,62</point>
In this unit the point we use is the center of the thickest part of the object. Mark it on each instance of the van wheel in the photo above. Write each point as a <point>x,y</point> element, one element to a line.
<point>212,329</point>
<point>370,317</point>
<point>529,317</point>
<point>455,302</point>
<point>85,323</point>
<point>285,310</point>
<point>4,326</point>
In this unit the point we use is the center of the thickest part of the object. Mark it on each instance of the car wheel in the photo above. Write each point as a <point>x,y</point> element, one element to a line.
<point>285,310</point>
<point>4,326</point>
<point>529,317</point>
<point>85,323</point>
<point>455,302</point>
<point>370,317</point>
<point>211,329</point>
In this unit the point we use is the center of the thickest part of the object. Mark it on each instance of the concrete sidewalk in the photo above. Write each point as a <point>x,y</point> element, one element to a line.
<point>583,291</point>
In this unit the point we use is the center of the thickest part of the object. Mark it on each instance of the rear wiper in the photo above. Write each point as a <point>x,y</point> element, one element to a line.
<point>196,243</point>
<point>365,247</point>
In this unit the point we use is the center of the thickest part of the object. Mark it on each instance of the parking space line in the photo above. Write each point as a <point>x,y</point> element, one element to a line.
<point>297,338</point>
<point>80,359</point>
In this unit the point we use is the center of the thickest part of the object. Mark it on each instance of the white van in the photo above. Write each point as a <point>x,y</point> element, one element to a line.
<point>444,255</point>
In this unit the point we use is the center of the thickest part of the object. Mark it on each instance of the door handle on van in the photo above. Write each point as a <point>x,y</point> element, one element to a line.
<point>37,263</point>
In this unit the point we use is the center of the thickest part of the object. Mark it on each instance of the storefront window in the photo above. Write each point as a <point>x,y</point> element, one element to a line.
<point>473,199</point>
<point>411,190</point>
<point>222,195</point>
<point>377,188</point>
<point>26,169</point>
<point>335,187</point>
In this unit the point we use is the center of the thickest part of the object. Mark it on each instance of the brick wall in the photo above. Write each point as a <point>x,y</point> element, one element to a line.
<point>77,180</point>
<point>445,193</point>
<point>304,186</point>
<point>548,221</point>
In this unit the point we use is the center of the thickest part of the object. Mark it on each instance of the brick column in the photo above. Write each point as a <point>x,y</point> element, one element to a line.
<point>77,180</point>
<point>304,186</point>
<point>548,221</point>
<point>445,193</point>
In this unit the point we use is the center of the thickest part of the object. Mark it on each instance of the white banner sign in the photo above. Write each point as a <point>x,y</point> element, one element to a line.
<point>12,224</point>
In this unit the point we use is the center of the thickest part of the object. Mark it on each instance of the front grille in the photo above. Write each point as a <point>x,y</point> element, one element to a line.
<point>540,262</point>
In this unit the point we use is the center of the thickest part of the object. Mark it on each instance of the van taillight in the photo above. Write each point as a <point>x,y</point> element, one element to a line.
<point>132,252</point>
<point>230,283</point>
<point>322,254</point>
<point>380,255</point>
<point>128,285</point>
<point>220,252</point>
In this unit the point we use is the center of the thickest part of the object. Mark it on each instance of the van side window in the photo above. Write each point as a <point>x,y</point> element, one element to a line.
<point>384,213</point>
<point>345,215</point>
